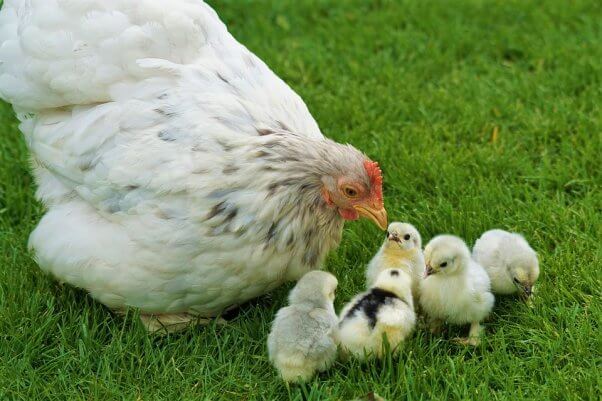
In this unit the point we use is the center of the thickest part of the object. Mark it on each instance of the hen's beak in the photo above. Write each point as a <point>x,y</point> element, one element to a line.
<point>377,214</point>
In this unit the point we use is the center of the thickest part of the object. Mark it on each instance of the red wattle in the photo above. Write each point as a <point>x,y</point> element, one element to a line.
<point>349,214</point>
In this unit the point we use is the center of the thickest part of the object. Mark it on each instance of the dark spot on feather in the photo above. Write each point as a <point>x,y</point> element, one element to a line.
<point>261,154</point>
<point>132,187</point>
<point>162,96</point>
<point>290,240</point>
<point>166,136</point>
<point>87,166</point>
<point>271,233</point>
<point>161,214</point>
<point>226,147</point>
<point>113,208</point>
<point>230,169</point>
<point>271,144</point>
<point>165,113</point>
<point>371,303</point>
<point>309,234</point>
<point>268,168</point>
<point>200,171</point>
<point>264,131</point>
<point>198,148</point>
<point>221,77</point>
<point>272,189</point>
<point>217,209</point>
<point>310,258</point>
<point>231,215</point>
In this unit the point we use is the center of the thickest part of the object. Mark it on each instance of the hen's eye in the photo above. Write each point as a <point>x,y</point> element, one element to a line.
<point>350,192</point>
<point>443,264</point>
<point>406,237</point>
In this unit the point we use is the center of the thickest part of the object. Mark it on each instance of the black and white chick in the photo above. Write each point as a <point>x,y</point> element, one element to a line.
<point>509,260</point>
<point>456,289</point>
<point>401,249</point>
<point>386,309</point>
<point>304,335</point>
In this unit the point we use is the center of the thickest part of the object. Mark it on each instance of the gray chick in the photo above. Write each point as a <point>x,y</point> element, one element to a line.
<point>304,334</point>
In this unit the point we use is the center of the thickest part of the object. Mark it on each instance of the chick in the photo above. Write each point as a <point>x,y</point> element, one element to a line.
<point>304,334</point>
<point>402,249</point>
<point>456,289</point>
<point>386,309</point>
<point>510,262</point>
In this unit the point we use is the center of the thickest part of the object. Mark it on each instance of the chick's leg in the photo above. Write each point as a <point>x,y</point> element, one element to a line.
<point>474,335</point>
<point>435,325</point>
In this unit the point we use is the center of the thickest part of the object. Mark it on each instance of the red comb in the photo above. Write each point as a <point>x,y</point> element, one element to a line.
<point>376,178</point>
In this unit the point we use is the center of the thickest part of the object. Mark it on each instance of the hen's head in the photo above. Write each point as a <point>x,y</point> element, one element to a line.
<point>356,191</point>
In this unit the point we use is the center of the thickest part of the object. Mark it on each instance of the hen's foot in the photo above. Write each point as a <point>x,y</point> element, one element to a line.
<point>163,324</point>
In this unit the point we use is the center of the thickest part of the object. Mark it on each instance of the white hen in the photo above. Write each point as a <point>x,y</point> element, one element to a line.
<point>181,176</point>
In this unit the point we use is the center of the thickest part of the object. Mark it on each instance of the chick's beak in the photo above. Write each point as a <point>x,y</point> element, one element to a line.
<point>527,289</point>
<point>376,213</point>
<point>429,270</point>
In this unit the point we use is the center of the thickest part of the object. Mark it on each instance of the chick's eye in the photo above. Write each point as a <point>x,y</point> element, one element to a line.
<point>387,234</point>
<point>443,264</point>
<point>350,192</point>
<point>516,280</point>
<point>406,237</point>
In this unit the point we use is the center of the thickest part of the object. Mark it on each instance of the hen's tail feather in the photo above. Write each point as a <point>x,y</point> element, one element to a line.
<point>56,53</point>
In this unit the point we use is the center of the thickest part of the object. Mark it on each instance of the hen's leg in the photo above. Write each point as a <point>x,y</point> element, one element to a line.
<point>172,323</point>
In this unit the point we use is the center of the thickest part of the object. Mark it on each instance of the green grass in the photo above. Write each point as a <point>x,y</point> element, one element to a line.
<point>419,86</point>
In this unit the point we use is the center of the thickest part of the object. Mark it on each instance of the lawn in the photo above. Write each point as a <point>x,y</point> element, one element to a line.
<point>482,114</point>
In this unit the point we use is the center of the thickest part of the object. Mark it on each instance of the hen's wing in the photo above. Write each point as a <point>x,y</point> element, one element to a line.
<point>182,103</point>
<point>56,53</point>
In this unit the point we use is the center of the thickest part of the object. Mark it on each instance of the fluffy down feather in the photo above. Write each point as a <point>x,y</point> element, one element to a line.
<point>304,334</point>
<point>510,262</point>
